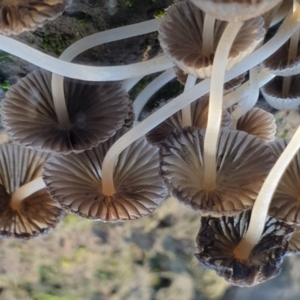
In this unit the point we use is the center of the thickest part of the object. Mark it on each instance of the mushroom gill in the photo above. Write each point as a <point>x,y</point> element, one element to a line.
<point>218,237</point>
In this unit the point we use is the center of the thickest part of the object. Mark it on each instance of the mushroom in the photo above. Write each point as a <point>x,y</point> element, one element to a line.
<point>17,16</point>
<point>96,111</point>
<point>218,237</point>
<point>76,182</point>
<point>24,217</point>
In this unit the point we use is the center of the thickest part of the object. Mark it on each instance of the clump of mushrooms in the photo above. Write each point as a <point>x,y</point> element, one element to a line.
<point>108,173</point>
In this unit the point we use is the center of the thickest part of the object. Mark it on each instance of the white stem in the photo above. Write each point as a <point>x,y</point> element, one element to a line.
<point>248,102</point>
<point>216,103</point>
<point>262,203</point>
<point>151,89</point>
<point>25,191</point>
<point>243,91</point>
<point>282,35</point>
<point>186,111</point>
<point>128,84</point>
<point>208,35</point>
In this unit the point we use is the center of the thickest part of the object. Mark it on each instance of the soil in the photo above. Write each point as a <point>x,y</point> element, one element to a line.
<point>151,258</point>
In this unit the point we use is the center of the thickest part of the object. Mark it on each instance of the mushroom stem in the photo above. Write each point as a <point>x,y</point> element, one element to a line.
<point>262,203</point>
<point>216,103</point>
<point>282,35</point>
<point>150,89</point>
<point>25,191</point>
<point>248,102</point>
<point>292,54</point>
<point>186,111</point>
<point>208,35</point>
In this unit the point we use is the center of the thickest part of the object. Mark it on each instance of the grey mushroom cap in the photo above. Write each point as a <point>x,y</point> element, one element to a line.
<point>17,16</point>
<point>218,238</point>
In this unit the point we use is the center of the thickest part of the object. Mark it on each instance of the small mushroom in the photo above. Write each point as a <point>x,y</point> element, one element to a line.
<point>17,16</point>
<point>36,214</point>
<point>218,238</point>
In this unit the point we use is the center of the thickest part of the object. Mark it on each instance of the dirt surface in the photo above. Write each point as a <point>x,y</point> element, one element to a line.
<point>151,258</point>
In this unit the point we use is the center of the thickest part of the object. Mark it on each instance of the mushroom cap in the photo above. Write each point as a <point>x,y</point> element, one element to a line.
<point>181,37</point>
<point>199,110</point>
<point>38,213</point>
<point>259,123</point>
<point>218,237</point>
<point>278,62</point>
<point>294,243</point>
<point>272,92</point>
<point>243,162</point>
<point>75,182</point>
<point>285,204</point>
<point>235,10</point>
<point>17,16</point>
<point>96,111</point>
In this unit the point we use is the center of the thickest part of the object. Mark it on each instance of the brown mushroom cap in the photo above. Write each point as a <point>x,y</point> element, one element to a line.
<point>75,182</point>
<point>243,162</point>
<point>96,111</point>
<point>285,205</point>
<point>199,110</point>
<point>17,16</point>
<point>259,123</point>
<point>181,37</point>
<point>36,214</point>
<point>235,10</point>
<point>272,92</point>
<point>294,243</point>
<point>218,237</point>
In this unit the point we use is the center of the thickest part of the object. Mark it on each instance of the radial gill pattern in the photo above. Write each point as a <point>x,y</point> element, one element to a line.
<point>75,182</point>
<point>17,16</point>
<point>243,162</point>
<point>36,214</point>
<point>96,111</point>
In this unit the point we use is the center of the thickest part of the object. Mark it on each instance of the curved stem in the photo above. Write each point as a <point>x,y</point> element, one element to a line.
<point>186,111</point>
<point>216,103</point>
<point>208,35</point>
<point>151,89</point>
<point>25,191</point>
<point>128,84</point>
<point>282,35</point>
<point>262,203</point>
<point>248,102</point>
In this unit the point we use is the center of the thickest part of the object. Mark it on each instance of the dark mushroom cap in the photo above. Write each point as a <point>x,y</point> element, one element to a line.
<point>259,123</point>
<point>218,237</point>
<point>235,10</point>
<point>199,110</point>
<point>17,16</point>
<point>75,182</point>
<point>285,204</point>
<point>38,213</point>
<point>96,111</point>
<point>272,92</point>
<point>181,37</point>
<point>243,162</point>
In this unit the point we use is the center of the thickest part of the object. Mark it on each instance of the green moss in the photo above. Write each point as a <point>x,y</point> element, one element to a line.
<point>40,296</point>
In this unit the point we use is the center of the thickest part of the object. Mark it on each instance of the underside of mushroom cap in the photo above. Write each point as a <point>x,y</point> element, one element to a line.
<point>272,92</point>
<point>294,243</point>
<point>235,10</point>
<point>75,182</point>
<point>181,37</point>
<point>243,162</point>
<point>259,123</point>
<point>279,64</point>
<point>285,205</point>
<point>36,214</point>
<point>96,111</point>
<point>218,237</point>
<point>17,16</point>
<point>199,110</point>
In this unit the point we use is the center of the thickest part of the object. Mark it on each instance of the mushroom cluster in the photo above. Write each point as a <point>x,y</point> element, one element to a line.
<point>77,148</point>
